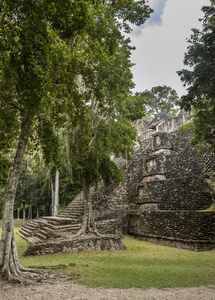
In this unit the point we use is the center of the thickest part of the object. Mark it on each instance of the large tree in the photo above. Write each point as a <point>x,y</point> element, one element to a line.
<point>34,57</point>
<point>44,46</point>
<point>200,78</point>
<point>135,105</point>
<point>147,104</point>
<point>162,99</point>
<point>90,148</point>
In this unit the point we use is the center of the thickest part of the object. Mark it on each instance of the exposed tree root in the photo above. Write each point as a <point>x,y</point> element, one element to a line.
<point>88,224</point>
<point>22,275</point>
<point>11,270</point>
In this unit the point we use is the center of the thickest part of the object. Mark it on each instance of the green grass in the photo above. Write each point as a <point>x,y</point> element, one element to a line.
<point>142,265</point>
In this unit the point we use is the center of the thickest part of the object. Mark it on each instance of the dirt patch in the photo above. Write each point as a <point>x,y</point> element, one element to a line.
<point>56,288</point>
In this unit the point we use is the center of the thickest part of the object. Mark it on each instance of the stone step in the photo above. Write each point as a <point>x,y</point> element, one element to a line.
<point>76,204</point>
<point>67,227</point>
<point>72,211</point>
<point>30,239</point>
<point>69,219</point>
<point>43,231</point>
<point>69,212</point>
<point>36,224</point>
<point>56,220</point>
<point>25,232</point>
<point>51,223</point>
<point>49,218</point>
<point>40,236</point>
<point>60,219</point>
<point>73,214</point>
<point>79,210</point>
<point>73,218</point>
<point>30,227</point>
<point>31,223</point>
<point>48,226</point>
<point>40,220</point>
<point>59,223</point>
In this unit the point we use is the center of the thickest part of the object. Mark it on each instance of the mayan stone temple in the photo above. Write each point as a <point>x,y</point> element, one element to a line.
<point>166,198</point>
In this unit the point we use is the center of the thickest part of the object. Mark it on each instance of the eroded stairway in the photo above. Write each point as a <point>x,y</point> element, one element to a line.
<point>44,228</point>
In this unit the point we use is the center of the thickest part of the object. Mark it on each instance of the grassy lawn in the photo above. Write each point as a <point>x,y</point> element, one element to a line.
<point>142,265</point>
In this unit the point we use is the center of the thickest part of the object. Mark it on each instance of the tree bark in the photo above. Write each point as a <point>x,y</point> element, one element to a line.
<point>10,267</point>
<point>17,213</point>
<point>30,212</point>
<point>23,215</point>
<point>38,212</point>
<point>88,223</point>
<point>55,194</point>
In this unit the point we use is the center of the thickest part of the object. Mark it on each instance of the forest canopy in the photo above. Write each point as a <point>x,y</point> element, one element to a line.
<point>65,71</point>
<point>200,79</point>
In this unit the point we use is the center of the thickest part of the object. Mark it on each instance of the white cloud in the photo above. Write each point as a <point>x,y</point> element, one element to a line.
<point>160,49</point>
<point>158,7</point>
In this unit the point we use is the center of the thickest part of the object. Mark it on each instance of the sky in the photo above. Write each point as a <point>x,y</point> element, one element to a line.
<point>161,43</point>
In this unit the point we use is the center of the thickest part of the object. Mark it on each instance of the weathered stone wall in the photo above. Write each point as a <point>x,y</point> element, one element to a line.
<point>164,179</point>
<point>79,244</point>
<point>161,123</point>
<point>113,226</point>
<point>165,187</point>
<point>188,193</point>
<point>173,174</point>
<point>186,159</point>
<point>172,188</point>
<point>189,229</point>
<point>110,204</point>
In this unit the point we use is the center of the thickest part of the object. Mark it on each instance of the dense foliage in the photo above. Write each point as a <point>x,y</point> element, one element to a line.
<point>58,57</point>
<point>162,99</point>
<point>147,104</point>
<point>135,107</point>
<point>200,79</point>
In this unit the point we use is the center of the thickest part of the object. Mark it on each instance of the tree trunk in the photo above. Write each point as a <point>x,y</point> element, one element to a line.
<point>56,194</point>
<point>53,196</point>
<point>88,223</point>
<point>17,213</point>
<point>30,212</point>
<point>10,267</point>
<point>23,216</point>
<point>38,212</point>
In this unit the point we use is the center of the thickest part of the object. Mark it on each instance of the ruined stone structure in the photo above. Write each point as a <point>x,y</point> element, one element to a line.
<point>165,197</point>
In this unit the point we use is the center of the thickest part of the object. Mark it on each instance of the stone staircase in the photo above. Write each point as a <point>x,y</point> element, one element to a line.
<point>74,209</point>
<point>44,228</point>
